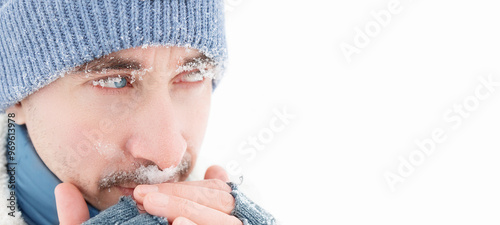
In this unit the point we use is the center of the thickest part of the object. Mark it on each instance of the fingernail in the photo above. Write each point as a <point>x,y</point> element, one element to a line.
<point>158,199</point>
<point>145,189</point>
<point>140,207</point>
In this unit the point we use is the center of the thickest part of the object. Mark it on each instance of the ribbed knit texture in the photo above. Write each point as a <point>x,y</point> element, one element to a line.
<point>125,212</point>
<point>247,211</point>
<point>41,39</point>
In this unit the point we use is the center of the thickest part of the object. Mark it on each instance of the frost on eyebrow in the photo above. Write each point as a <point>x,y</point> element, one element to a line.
<point>109,63</point>
<point>139,73</point>
<point>208,68</point>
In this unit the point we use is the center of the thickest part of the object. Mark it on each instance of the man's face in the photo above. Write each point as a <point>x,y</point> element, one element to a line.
<point>134,110</point>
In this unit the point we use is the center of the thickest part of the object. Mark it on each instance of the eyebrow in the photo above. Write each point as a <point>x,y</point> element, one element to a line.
<point>105,63</point>
<point>197,59</point>
<point>108,63</point>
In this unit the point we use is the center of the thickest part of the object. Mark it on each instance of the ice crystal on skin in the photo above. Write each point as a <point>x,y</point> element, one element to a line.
<point>134,75</point>
<point>109,151</point>
<point>150,174</point>
<point>103,81</point>
<point>206,67</point>
<point>139,73</point>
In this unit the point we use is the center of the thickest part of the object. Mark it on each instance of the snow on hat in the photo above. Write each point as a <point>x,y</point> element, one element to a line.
<point>40,39</point>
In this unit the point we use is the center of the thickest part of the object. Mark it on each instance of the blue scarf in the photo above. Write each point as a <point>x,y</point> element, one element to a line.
<point>35,183</point>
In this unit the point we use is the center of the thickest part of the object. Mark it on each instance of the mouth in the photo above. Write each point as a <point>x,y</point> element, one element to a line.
<point>127,189</point>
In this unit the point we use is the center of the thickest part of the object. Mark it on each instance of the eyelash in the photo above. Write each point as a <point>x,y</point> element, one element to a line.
<point>189,74</point>
<point>178,80</point>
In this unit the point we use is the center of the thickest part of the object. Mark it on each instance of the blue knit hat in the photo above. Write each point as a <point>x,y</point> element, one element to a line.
<point>41,39</point>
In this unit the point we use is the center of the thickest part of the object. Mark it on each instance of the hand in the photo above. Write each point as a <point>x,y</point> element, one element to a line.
<point>71,206</point>
<point>72,209</point>
<point>204,202</point>
<point>195,202</point>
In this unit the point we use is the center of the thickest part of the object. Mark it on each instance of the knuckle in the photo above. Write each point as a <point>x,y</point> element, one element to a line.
<point>178,191</point>
<point>227,202</point>
<point>198,196</point>
<point>184,207</point>
<point>204,194</point>
<point>216,182</point>
<point>219,184</point>
<point>188,208</point>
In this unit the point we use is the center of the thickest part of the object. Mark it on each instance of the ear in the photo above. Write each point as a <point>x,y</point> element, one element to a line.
<point>19,111</point>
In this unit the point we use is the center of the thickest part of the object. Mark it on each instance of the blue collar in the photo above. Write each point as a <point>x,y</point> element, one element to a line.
<point>35,183</point>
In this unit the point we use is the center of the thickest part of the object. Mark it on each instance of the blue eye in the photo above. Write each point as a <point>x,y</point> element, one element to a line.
<point>122,83</point>
<point>112,82</point>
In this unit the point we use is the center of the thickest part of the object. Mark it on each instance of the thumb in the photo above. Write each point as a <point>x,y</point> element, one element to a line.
<point>216,172</point>
<point>71,207</point>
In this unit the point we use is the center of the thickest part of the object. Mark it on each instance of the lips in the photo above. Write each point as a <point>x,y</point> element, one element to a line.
<point>129,185</point>
<point>126,191</point>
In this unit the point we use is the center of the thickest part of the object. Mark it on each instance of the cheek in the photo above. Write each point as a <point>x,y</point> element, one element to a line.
<point>196,115</point>
<point>55,127</point>
<point>61,145</point>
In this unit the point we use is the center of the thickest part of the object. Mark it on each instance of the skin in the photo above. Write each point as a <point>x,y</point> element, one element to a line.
<point>83,132</point>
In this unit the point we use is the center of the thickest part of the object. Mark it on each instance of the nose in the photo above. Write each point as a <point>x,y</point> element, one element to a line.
<point>156,133</point>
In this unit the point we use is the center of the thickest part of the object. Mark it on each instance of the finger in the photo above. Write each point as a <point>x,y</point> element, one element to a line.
<point>182,221</point>
<point>71,206</point>
<point>171,207</point>
<point>216,172</point>
<point>212,183</point>
<point>141,209</point>
<point>213,198</point>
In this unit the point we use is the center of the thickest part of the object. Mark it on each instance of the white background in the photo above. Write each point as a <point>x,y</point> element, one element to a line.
<point>353,121</point>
